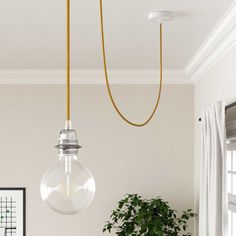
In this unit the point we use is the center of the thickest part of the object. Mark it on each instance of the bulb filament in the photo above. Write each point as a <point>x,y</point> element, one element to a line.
<point>68,173</point>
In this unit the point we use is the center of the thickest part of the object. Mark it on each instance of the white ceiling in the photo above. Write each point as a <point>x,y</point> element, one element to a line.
<point>33,33</point>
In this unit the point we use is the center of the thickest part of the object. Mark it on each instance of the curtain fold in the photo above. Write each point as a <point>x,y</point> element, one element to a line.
<point>213,204</point>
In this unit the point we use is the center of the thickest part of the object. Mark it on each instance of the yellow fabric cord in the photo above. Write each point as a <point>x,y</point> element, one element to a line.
<point>68,59</point>
<point>107,79</point>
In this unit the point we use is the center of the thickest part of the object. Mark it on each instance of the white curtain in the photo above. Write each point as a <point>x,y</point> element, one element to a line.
<point>213,206</point>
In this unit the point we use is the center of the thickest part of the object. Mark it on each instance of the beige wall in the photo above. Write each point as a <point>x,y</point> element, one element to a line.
<point>219,83</point>
<point>155,160</point>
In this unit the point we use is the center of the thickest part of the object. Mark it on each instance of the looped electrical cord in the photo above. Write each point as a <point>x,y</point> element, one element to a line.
<point>107,78</point>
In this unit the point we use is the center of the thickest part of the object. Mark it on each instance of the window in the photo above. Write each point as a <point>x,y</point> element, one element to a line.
<point>231,167</point>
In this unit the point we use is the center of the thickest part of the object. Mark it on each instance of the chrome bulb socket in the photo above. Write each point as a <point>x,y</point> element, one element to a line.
<point>68,141</point>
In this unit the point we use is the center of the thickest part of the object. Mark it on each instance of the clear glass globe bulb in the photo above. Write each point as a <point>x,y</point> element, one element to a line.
<point>68,187</point>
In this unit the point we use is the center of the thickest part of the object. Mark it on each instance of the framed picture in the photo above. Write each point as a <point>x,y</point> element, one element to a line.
<point>12,212</point>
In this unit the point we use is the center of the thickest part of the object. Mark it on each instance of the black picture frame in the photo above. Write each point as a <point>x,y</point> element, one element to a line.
<point>23,190</point>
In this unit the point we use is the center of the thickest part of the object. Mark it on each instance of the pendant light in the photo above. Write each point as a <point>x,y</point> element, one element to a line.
<point>68,187</point>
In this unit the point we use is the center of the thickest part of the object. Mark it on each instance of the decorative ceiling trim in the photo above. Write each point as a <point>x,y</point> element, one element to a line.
<point>217,44</point>
<point>91,77</point>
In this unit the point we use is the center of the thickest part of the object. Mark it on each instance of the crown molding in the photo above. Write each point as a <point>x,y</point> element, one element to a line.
<point>11,77</point>
<point>217,44</point>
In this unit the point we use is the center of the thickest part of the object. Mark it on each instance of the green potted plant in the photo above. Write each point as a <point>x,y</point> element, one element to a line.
<point>136,216</point>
